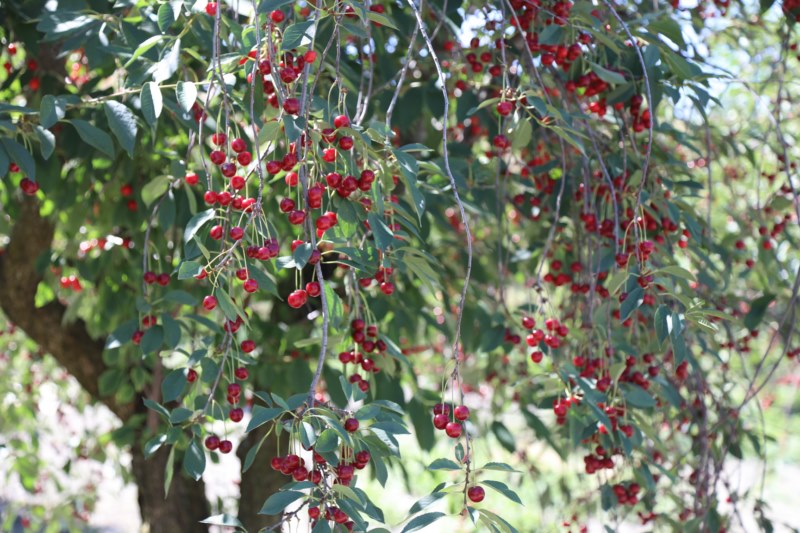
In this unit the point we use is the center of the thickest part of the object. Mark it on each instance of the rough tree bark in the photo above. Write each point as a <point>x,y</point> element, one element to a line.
<point>82,356</point>
<point>260,480</point>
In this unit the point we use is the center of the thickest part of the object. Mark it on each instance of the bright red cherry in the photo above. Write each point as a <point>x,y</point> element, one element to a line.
<point>236,414</point>
<point>212,442</point>
<point>351,425</point>
<point>251,285</point>
<point>461,412</point>
<point>297,299</point>
<point>341,121</point>
<point>440,421</point>
<point>476,494</point>
<point>225,446</point>
<point>191,178</point>
<point>277,16</point>
<point>248,346</point>
<point>505,108</point>
<point>238,145</point>
<point>211,9</point>
<point>209,302</point>
<point>241,373</point>
<point>291,106</point>
<point>453,430</point>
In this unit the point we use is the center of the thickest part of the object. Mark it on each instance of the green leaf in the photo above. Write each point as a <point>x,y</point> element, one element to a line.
<point>173,385</point>
<point>189,269</point>
<point>122,122</point>
<point>427,501</point>
<point>186,94</point>
<point>522,134</point>
<point>47,141</point>
<point>421,521</point>
<point>152,102</point>
<point>168,13</point>
<point>262,415</point>
<point>757,310</point>
<point>180,297</point>
<point>607,75</point>
<point>503,435</point>
<point>194,460</point>
<point>229,309</point>
<point>265,6</point>
<point>169,471</point>
<point>265,282</point>
<point>632,302</point>
<point>180,415</point>
<point>224,519</point>
<point>197,222</point>
<point>328,441</point>
<point>297,35</point>
<point>676,271</point>
<point>143,47</point>
<point>279,501</point>
<point>383,235</point>
<point>501,467</point>
<point>94,136</point>
<point>153,445</point>
<point>301,255</point>
<point>444,464</point>
<point>383,20</point>
<point>638,397</point>
<point>152,340</point>
<point>110,381</point>
<point>157,407</point>
<point>20,156</point>
<point>155,189</point>
<point>503,489</point>
<point>51,110</point>
<point>660,323</point>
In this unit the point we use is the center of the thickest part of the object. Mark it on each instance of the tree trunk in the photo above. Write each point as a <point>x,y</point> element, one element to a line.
<point>260,481</point>
<point>82,356</point>
<point>184,507</point>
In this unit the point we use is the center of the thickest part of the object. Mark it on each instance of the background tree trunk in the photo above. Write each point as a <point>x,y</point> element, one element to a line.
<point>185,506</point>
<point>82,356</point>
<point>260,481</point>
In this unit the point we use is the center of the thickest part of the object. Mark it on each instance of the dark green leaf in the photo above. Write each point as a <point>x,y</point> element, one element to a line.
<point>197,222</point>
<point>383,235</point>
<point>632,302</point>
<point>757,310</point>
<point>328,441</point>
<point>194,460</point>
<point>51,110</point>
<point>422,521</point>
<point>94,136</point>
<point>186,94</point>
<point>47,141</point>
<point>173,385</point>
<point>299,34</point>
<point>444,464</point>
<point>503,489</point>
<point>152,102</point>
<point>20,156</point>
<point>503,435</point>
<point>638,397</point>
<point>123,125</point>
<point>262,415</point>
<point>152,340</point>
<point>279,501</point>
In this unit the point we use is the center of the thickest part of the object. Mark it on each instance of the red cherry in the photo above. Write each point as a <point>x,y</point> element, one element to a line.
<point>244,158</point>
<point>238,145</point>
<point>236,233</point>
<point>297,299</point>
<point>191,178</point>
<point>251,285</point>
<point>217,157</point>
<point>277,16</point>
<point>440,421</point>
<point>211,9</point>
<point>505,108</point>
<point>297,217</point>
<point>291,105</point>
<point>453,430</point>
<point>300,473</point>
<point>236,414</point>
<point>313,288</point>
<point>191,375</point>
<point>216,232</point>
<point>476,494</point>
<point>241,373</point>
<point>212,442</point>
<point>346,143</point>
<point>461,412</point>
<point>225,446</point>
<point>163,279</point>
<point>210,197</point>
<point>351,425</point>
<point>341,121</point>
<point>248,346</point>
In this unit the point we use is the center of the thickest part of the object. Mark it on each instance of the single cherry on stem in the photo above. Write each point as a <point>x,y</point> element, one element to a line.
<point>476,494</point>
